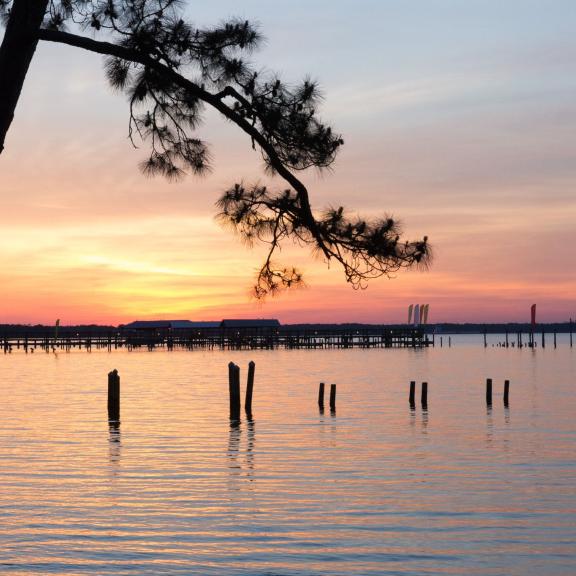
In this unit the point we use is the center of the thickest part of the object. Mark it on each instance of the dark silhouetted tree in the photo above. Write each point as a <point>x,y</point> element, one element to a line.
<point>171,71</point>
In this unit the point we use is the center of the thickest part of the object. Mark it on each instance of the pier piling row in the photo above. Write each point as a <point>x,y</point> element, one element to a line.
<point>228,339</point>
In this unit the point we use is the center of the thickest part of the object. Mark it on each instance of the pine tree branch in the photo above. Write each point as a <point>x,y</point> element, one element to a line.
<point>214,100</point>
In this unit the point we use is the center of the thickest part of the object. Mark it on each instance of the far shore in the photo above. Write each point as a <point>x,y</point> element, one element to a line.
<point>31,330</point>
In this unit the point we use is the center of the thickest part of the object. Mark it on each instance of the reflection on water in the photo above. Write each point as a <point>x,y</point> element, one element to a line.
<point>489,424</point>
<point>425,421</point>
<point>114,445</point>
<point>234,439</point>
<point>241,453</point>
<point>419,418</point>
<point>251,426</point>
<point>234,466</point>
<point>456,487</point>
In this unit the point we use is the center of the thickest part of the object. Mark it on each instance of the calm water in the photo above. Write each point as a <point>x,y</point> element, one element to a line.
<point>373,489</point>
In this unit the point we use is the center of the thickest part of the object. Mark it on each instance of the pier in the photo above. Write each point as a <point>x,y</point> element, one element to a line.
<point>284,337</point>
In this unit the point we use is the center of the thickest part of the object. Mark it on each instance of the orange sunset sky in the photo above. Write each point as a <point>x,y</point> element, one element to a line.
<point>459,119</point>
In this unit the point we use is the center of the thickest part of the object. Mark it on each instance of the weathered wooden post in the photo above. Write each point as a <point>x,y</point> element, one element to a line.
<point>321,395</point>
<point>507,343</point>
<point>424,396</point>
<point>489,391</point>
<point>543,339</point>
<point>234,390</point>
<point>485,342</point>
<point>113,396</point>
<point>249,387</point>
<point>506,392</point>
<point>554,338</point>
<point>332,397</point>
<point>411,398</point>
<point>237,388</point>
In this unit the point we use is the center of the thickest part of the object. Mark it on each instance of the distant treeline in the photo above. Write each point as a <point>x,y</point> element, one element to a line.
<point>41,331</point>
<point>511,327</point>
<point>447,328</point>
<point>85,330</point>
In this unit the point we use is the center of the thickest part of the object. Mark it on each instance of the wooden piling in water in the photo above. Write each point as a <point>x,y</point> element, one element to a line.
<point>321,395</point>
<point>489,391</point>
<point>412,397</point>
<point>485,342</point>
<point>554,338</point>
<point>332,396</point>
<point>249,387</point>
<point>543,339</point>
<point>114,396</point>
<point>506,392</point>
<point>234,390</point>
<point>424,395</point>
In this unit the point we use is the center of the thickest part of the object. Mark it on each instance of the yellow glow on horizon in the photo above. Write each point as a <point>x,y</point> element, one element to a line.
<point>136,267</point>
<point>180,267</point>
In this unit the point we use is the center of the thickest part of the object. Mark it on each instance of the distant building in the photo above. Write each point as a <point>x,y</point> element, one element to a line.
<point>165,325</point>
<point>189,325</point>
<point>254,324</point>
<point>149,325</point>
<point>155,330</point>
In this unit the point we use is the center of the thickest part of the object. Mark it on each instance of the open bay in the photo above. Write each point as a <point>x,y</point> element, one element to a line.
<point>375,488</point>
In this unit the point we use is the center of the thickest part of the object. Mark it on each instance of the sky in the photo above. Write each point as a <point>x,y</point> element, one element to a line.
<point>459,119</point>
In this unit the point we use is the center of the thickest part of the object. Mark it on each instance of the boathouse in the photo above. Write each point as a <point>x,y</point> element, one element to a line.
<point>255,324</point>
<point>168,325</point>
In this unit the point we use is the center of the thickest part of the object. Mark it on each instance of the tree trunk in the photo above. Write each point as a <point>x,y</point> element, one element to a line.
<point>16,52</point>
